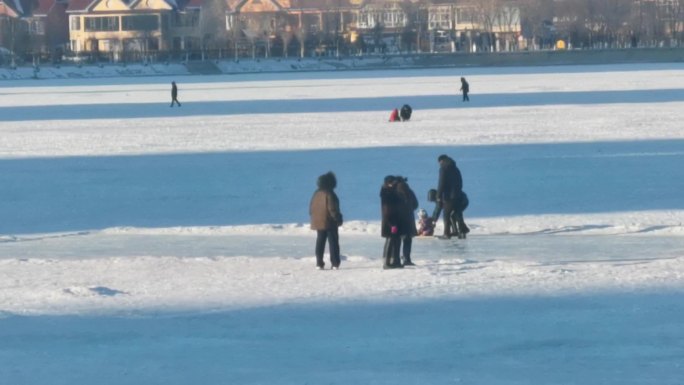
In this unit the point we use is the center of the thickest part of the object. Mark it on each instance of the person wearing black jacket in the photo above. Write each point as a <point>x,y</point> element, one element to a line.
<point>391,211</point>
<point>451,197</point>
<point>465,88</point>
<point>407,227</point>
<point>174,94</point>
<point>405,112</point>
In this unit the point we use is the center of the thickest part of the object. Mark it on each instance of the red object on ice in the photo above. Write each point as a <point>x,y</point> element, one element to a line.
<point>394,116</point>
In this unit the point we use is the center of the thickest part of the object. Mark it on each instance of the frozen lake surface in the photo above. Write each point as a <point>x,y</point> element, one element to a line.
<point>141,244</point>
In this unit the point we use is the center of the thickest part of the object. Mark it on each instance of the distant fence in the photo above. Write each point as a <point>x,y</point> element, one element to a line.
<point>541,58</point>
<point>223,64</point>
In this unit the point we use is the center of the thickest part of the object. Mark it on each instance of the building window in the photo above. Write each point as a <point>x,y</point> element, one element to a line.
<point>367,20</point>
<point>36,27</point>
<point>140,23</point>
<point>393,18</point>
<point>466,15</point>
<point>186,19</point>
<point>230,22</point>
<point>104,46</point>
<point>75,23</point>
<point>95,24</point>
<point>440,19</point>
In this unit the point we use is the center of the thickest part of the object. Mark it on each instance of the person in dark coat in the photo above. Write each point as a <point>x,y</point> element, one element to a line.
<point>407,227</point>
<point>326,217</point>
<point>174,94</point>
<point>405,112</point>
<point>465,88</point>
<point>391,211</point>
<point>451,197</point>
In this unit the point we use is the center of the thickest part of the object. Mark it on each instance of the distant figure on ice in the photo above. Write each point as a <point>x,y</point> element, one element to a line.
<point>465,88</point>
<point>326,217</point>
<point>451,197</point>
<point>405,112</point>
<point>426,226</point>
<point>174,94</point>
<point>394,116</point>
<point>407,226</point>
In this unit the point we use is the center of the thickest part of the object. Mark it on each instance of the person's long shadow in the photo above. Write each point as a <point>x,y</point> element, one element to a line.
<point>280,106</point>
<point>64,194</point>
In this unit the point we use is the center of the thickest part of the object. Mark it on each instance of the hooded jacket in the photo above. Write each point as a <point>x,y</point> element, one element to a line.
<point>409,203</point>
<point>390,209</point>
<point>450,181</point>
<point>324,208</point>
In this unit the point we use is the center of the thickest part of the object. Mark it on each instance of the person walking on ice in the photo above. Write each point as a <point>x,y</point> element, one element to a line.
<point>465,88</point>
<point>174,94</point>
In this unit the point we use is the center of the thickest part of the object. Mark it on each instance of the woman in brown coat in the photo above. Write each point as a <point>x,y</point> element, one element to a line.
<point>324,210</point>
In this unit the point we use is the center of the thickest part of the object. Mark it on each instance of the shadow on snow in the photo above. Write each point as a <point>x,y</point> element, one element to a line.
<point>418,102</point>
<point>63,194</point>
<point>599,338</point>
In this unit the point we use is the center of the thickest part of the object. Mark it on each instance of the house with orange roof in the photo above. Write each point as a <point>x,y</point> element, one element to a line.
<point>13,31</point>
<point>131,29</point>
<point>48,28</point>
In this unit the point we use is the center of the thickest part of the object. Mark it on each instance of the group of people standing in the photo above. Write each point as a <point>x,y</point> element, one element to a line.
<point>398,204</point>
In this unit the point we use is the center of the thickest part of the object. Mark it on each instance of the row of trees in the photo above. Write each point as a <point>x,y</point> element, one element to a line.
<point>604,23</point>
<point>581,24</point>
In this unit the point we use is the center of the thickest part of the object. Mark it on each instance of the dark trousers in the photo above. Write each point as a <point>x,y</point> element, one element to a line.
<point>390,254</point>
<point>459,223</point>
<point>406,243</point>
<point>333,239</point>
<point>174,99</point>
<point>465,97</point>
<point>453,219</point>
<point>449,227</point>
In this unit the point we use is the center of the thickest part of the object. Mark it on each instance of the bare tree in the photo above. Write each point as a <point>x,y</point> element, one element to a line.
<point>212,25</point>
<point>508,22</point>
<point>673,18</point>
<point>535,15</point>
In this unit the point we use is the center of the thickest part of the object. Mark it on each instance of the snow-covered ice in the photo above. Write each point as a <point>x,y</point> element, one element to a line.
<point>143,244</point>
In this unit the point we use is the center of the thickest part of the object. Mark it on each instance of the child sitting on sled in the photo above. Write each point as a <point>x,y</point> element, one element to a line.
<point>426,225</point>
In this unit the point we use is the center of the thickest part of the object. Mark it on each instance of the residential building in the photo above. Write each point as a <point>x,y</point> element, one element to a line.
<point>131,29</point>
<point>48,29</point>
